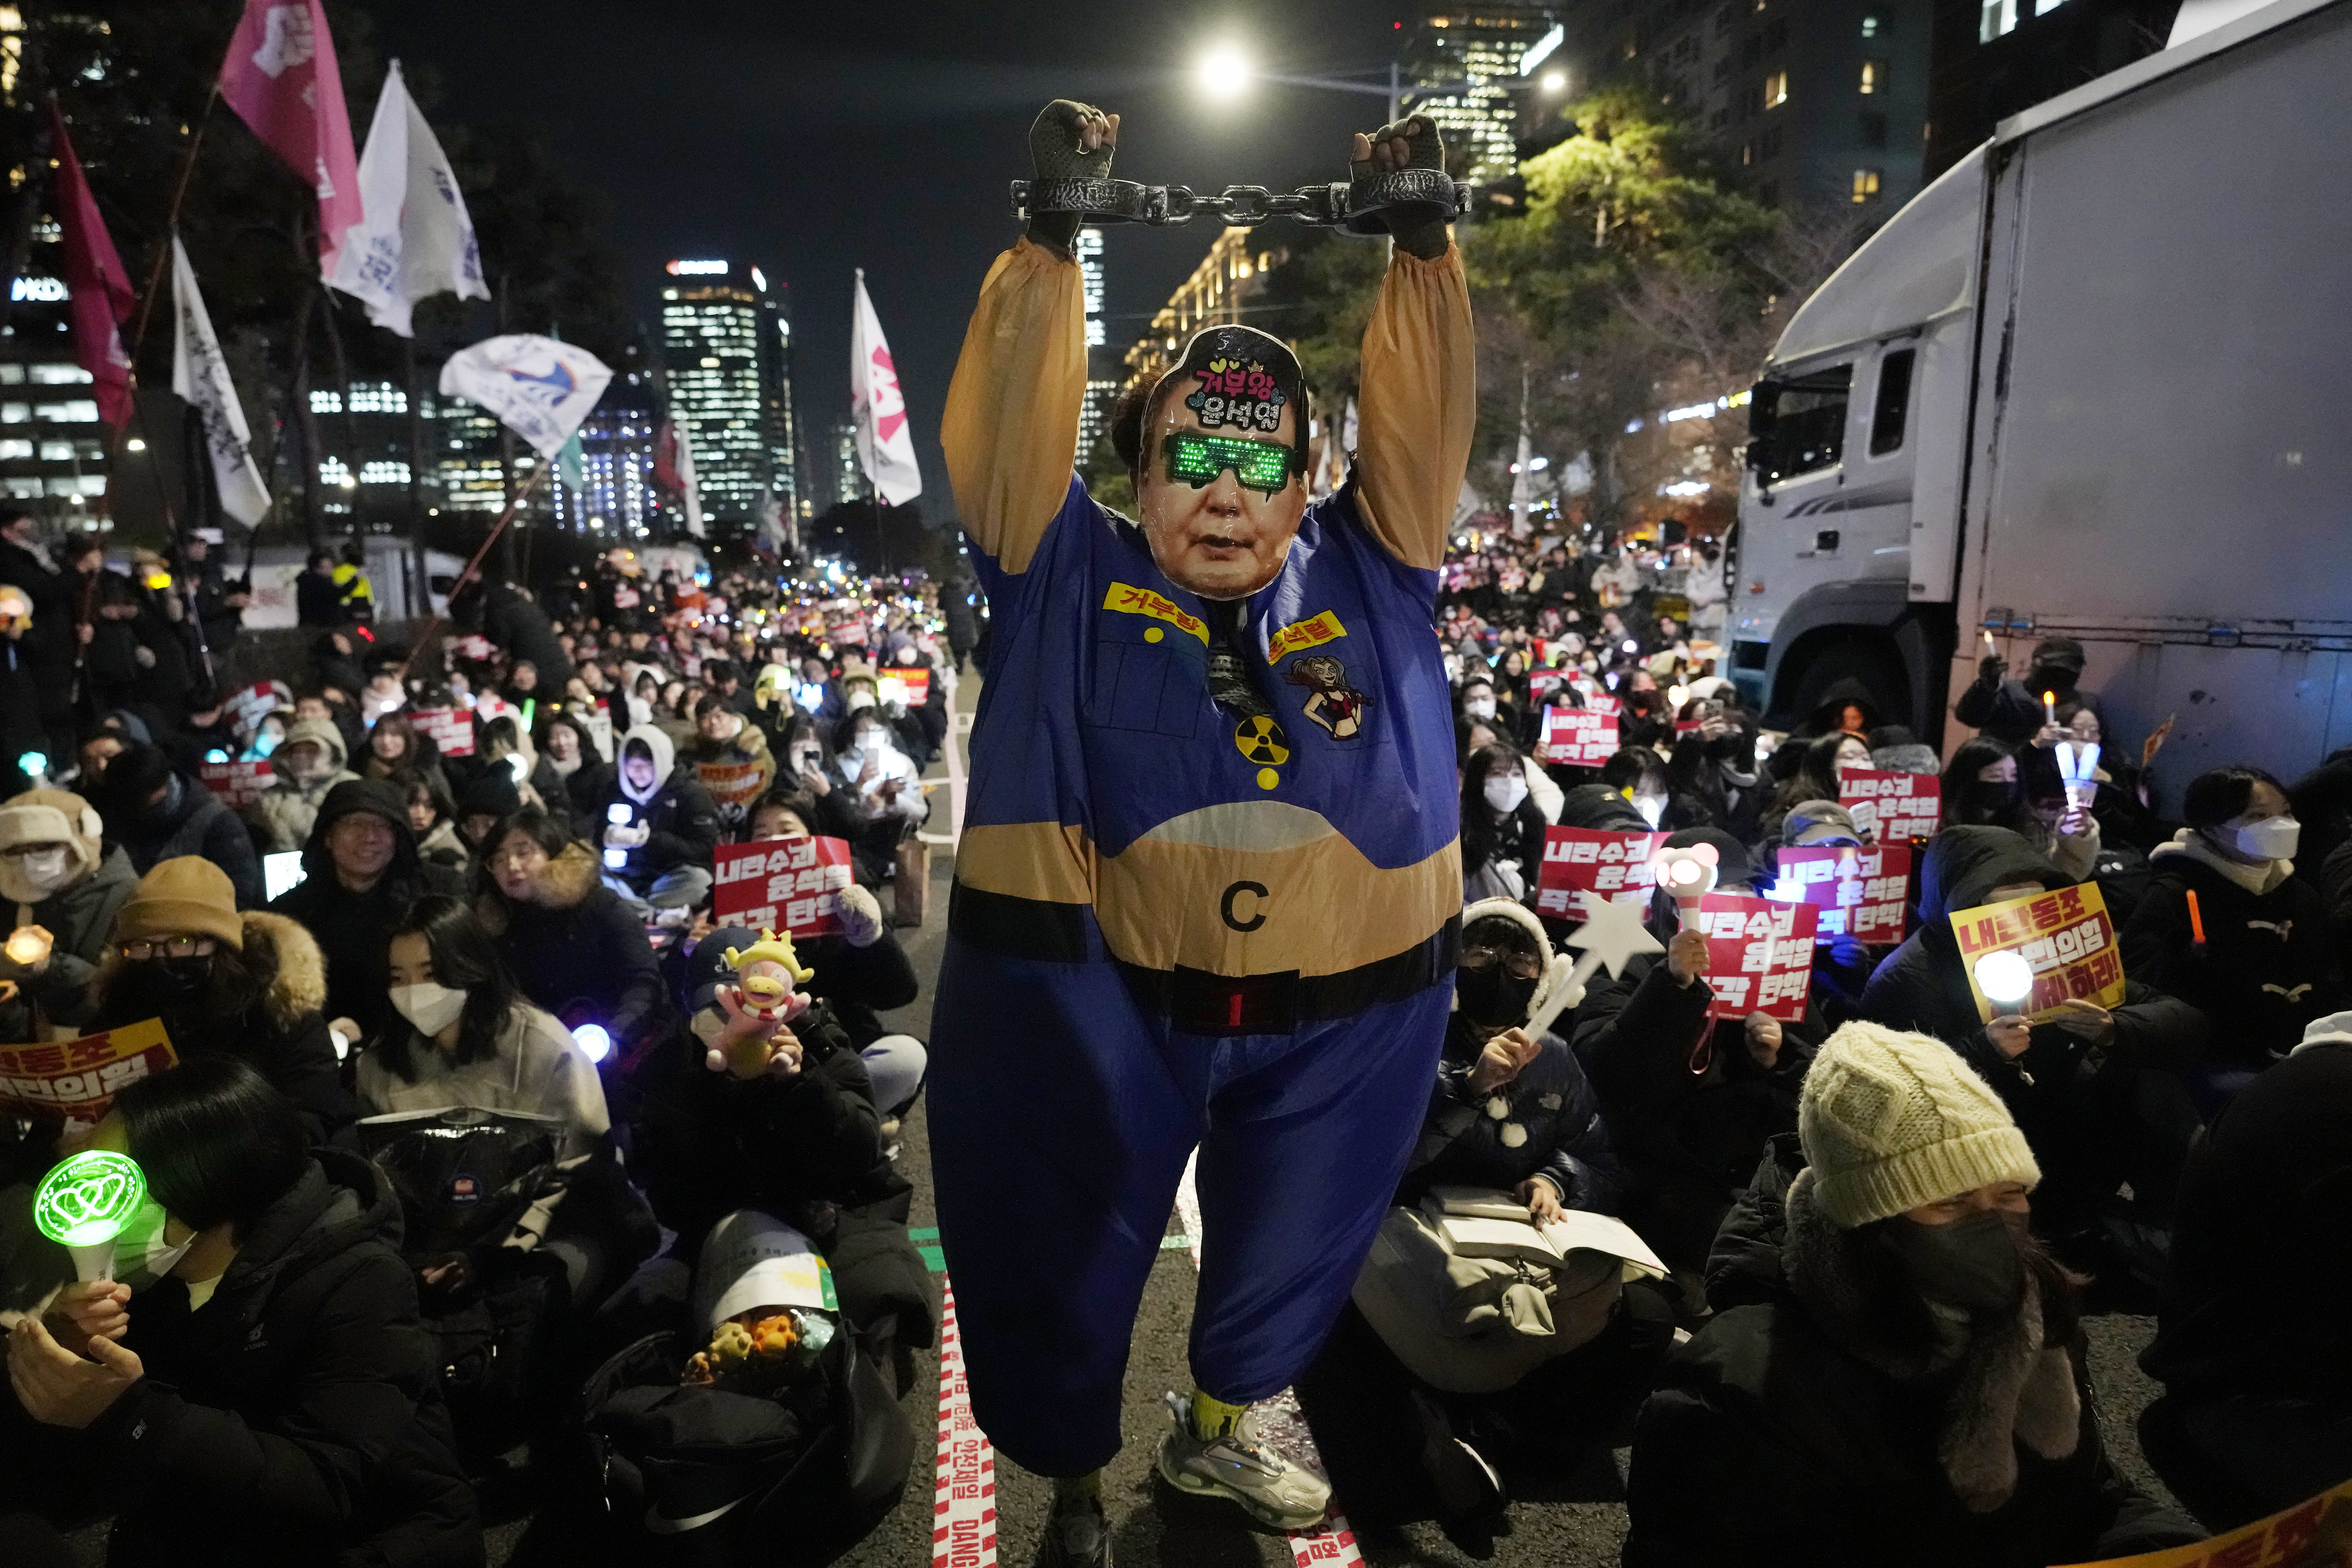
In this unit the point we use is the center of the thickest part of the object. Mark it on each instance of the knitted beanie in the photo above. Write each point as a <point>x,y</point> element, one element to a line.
<point>185,896</point>
<point>1891,1121</point>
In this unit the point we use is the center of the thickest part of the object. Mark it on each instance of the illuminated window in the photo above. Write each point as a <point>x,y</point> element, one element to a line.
<point>1865,185</point>
<point>1776,89</point>
<point>1998,19</point>
<point>1874,76</point>
<point>326,402</point>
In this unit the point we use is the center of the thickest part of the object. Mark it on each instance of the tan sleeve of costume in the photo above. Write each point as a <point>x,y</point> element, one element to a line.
<point>1011,425</point>
<point>1418,408</point>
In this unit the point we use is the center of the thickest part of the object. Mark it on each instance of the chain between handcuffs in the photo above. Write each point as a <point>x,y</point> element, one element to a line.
<point>1367,205</point>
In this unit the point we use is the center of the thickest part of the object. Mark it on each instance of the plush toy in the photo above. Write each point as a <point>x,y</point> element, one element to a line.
<point>757,1007</point>
<point>750,1353</point>
<point>765,974</point>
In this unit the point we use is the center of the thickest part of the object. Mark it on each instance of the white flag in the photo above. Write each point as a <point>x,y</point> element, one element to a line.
<point>539,388</point>
<point>200,375</point>
<point>688,484</point>
<point>886,448</point>
<point>416,239</point>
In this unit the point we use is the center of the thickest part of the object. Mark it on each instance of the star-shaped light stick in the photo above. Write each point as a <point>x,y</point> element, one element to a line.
<point>1613,933</point>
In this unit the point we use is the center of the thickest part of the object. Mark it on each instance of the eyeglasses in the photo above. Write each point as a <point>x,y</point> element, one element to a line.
<point>169,947</point>
<point>1519,966</point>
<point>1197,459</point>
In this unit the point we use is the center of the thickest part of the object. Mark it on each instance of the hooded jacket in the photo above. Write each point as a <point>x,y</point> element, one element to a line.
<point>296,1420</point>
<point>282,1035</point>
<point>191,821</point>
<point>282,815</point>
<point>2268,964</point>
<point>79,916</point>
<point>575,943</point>
<point>1921,986</point>
<point>1798,1429</point>
<point>678,810</point>
<point>354,930</point>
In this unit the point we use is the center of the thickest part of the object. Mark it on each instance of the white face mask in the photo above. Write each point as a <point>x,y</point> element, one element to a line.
<point>430,1008</point>
<point>1479,707</point>
<point>1504,792</point>
<point>1651,808</point>
<point>140,1251</point>
<point>30,878</point>
<point>2272,839</point>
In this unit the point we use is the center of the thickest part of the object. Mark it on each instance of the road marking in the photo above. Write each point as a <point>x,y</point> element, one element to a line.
<point>964,1501</point>
<point>1278,1417</point>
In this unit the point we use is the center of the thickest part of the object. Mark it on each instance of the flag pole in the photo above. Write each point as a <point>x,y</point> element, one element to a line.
<point>538,472</point>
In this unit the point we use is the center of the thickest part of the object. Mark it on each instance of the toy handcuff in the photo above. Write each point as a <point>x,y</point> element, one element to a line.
<point>1368,204</point>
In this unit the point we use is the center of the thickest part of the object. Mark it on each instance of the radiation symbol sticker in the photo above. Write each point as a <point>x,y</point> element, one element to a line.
<point>1262,740</point>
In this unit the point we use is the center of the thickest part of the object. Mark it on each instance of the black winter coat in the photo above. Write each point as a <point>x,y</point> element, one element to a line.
<point>297,1418</point>
<point>192,822</point>
<point>2270,962</point>
<point>1769,1444</point>
<point>1462,1141</point>
<point>858,983</point>
<point>354,929</point>
<point>577,942</point>
<point>684,819</point>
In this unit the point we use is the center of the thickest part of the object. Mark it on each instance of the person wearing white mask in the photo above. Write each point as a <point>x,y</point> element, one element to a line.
<point>885,786</point>
<point>2256,955</point>
<point>62,887</point>
<point>1502,829</point>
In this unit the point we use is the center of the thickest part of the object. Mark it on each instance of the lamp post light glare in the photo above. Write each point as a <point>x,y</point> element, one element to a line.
<point>2005,978</point>
<point>1223,71</point>
<point>1555,81</point>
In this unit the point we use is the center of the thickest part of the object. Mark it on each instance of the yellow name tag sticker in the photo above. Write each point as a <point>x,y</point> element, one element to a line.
<point>1129,600</point>
<point>1312,633</point>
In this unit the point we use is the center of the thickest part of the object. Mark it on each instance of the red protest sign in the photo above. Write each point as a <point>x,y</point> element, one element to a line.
<point>913,686</point>
<point>248,705</point>
<point>451,729</point>
<point>1585,737</point>
<point>80,1078</point>
<point>847,633</point>
<point>237,783</point>
<point>2066,937</point>
<point>1897,806</point>
<point>1759,956</point>
<point>1858,890</point>
<point>731,783</point>
<point>1587,859</point>
<point>781,884</point>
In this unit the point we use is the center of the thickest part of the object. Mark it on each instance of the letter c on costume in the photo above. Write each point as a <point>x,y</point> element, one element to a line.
<point>1225,905</point>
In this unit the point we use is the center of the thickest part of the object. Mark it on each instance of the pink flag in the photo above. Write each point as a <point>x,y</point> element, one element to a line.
<point>98,291</point>
<point>282,77</point>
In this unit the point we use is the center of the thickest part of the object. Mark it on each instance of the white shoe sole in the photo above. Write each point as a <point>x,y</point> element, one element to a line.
<point>1201,1486</point>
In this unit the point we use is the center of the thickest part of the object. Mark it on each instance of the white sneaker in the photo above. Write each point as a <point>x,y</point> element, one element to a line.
<point>1268,1485</point>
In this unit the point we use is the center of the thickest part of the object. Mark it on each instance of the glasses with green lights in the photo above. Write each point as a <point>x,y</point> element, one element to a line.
<point>1197,460</point>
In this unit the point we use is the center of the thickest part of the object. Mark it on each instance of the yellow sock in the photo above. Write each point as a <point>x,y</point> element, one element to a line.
<point>1211,1417</point>
<point>1076,1492</point>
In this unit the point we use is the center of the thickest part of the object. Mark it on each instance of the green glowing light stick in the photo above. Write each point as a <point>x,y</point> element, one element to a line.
<point>84,1204</point>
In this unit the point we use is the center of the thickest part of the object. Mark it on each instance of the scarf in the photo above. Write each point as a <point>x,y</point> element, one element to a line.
<point>2258,879</point>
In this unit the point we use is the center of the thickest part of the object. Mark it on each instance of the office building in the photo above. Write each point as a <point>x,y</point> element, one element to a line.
<point>1103,380</point>
<point>722,342</point>
<point>1218,293</point>
<point>1994,58</point>
<point>1461,66</point>
<point>616,453</point>
<point>53,450</point>
<point>776,382</point>
<point>841,465</point>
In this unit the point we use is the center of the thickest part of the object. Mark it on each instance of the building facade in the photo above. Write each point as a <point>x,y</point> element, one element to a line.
<point>617,455</point>
<point>722,353</point>
<point>1219,293</point>
<point>1462,64</point>
<point>1994,58</point>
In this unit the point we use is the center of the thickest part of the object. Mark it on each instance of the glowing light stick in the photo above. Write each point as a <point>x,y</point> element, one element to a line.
<point>27,944</point>
<point>2196,923</point>
<point>594,1040</point>
<point>2005,978</point>
<point>84,1204</point>
<point>1687,875</point>
<point>33,764</point>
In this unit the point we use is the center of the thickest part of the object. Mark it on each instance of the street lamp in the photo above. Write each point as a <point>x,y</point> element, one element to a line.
<point>1555,81</point>
<point>1223,71</point>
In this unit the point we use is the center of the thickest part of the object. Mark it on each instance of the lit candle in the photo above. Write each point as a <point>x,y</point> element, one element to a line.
<point>2049,707</point>
<point>27,946</point>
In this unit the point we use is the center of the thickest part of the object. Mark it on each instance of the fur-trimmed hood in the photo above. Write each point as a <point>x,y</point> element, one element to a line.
<point>570,876</point>
<point>1555,965</point>
<point>275,946</point>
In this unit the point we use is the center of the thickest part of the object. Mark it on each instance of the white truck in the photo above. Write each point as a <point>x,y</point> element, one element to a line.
<point>2085,383</point>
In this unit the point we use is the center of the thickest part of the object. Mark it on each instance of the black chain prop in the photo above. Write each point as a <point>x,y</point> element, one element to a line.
<point>1370,204</point>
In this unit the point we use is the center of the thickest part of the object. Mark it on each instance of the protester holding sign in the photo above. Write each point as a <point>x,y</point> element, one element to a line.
<point>1912,1385</point>
<point>731,757</point>
<point>655,828</point>
<point>2093,1085</point>
<point>60,887</point>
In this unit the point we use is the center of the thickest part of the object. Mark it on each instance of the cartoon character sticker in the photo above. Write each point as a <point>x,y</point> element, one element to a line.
<point>1232,392</point>
<point>1337,706</point>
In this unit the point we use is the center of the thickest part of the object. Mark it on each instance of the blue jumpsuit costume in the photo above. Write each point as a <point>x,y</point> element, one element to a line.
<point>1172,928</point>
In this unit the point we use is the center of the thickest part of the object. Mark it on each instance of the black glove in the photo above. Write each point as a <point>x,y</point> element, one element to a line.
<point>1992,667</point>
<point>1057,152</point>
<point>1425,150</point>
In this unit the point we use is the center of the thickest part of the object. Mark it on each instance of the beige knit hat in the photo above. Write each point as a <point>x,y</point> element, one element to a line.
<point>185,896</point>
<point>1891,1121</point>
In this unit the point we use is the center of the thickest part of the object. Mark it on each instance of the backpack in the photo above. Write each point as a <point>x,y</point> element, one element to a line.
<point>706,1477</point>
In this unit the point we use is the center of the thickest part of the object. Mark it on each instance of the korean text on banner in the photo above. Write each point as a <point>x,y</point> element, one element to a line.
<point>1759,956</point>
<point>2314,1535</point>
<point>248,705</point>
<point>1588,860</point>
<point>847,634</point>
<point>730,783</point>
<point>1585,737</point>
<point>1899,806</point>
<point>451,729</point>
<point>1857,890</point>
<point>237,783</point>
<point>781,884</point>
<point>81,1077</point>
<point>908,688</point>
<point>2067,936</point>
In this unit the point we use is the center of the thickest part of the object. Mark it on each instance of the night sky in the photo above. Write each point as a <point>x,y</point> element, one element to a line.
<point>812,139</point>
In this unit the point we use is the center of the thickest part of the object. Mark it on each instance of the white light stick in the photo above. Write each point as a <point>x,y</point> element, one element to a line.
<point>2005,978</point>
<point>1612,933</point>
<point>1687,875</point>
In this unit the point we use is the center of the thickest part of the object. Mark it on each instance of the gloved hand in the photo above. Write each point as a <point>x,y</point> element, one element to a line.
<point>861,916</point>
<point>1992,667</point>
<point>1068,140</point>
<point>1412,142</point>
<point>623,836</point>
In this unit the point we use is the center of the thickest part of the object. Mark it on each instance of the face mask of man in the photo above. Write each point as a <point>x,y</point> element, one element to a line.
<point>165,984</point>
<point>2272,839</point>
<point>1977,1264</point>
<point>30,878</point>
<point>1492,998</point>
<point>1506,790</point>
<point>2055,678</point>
<point>430,1008</point>
<point>1479,707</point>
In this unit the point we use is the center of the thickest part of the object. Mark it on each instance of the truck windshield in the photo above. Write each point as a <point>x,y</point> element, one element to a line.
<point>1797,423</point>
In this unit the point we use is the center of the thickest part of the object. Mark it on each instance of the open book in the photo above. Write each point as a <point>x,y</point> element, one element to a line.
<point>1478,1222</point>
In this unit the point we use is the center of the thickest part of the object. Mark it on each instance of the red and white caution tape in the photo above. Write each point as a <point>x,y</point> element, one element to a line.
<point>1280,1419</point>
<point>964,1504</point>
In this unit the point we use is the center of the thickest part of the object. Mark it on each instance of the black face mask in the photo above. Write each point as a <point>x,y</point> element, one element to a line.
<point>1977,1264</point>
<point>1494,998</point>
<point>164,985</point>
<point>2046,678</point>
